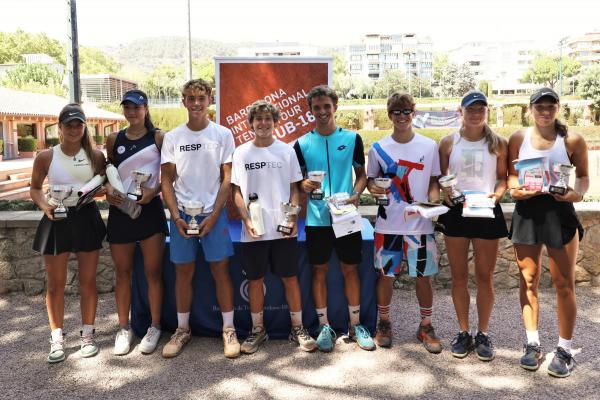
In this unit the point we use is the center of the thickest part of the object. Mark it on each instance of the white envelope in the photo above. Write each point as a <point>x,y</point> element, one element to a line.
<point>346,224</point>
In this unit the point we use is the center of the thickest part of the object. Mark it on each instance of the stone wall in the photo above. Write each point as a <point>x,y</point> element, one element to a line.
<point>22,269</point>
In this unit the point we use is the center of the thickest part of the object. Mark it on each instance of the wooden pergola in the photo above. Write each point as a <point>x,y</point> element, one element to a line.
<point>41,111</point>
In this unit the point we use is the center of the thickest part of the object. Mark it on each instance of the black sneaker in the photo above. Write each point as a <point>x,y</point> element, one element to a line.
<point>562,363</point>
<point>462,344</point>
<point>484,347</point>
<point>532,358</point>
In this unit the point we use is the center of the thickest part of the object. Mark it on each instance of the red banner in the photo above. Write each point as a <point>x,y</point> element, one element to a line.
<point>283,81</point>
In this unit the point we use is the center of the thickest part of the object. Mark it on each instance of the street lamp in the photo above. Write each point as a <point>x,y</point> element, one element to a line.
<point>561,43</point>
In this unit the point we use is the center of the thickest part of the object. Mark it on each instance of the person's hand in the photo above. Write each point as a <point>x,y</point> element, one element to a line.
<point>354,199</point>
<point>294,232</point>
<point>521,193</point>
<point>207,224</point>
<point>308,185</point>
<point>571,196</point>
<point>147,195</point>
<point>494,197</point>
<point>182,227</point>
<point>112,196</point>
<point>250,229</point>
<point>378,191</point>
<point>47,209</point>
<point>101,192</point>
<point>448,196</point>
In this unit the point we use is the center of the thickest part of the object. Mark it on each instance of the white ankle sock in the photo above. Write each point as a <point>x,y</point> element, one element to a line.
<point>533,337</point>
<point>296,317</point>
<point>354,312</point>
<point>565,344</point>
<point>227,319</point>
<point>183,320</point>
<point>322,314</point>
<point>257,319</point>
<point>56,334</point>
<point>87,329</point>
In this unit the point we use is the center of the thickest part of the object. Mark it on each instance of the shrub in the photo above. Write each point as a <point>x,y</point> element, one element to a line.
<point>381,119</point>
<point>51,142</point>
<point>99,139</point>
<point>515,115</point>
<point>349,119</point>
<point>27,143</point>
<point>1,147</point>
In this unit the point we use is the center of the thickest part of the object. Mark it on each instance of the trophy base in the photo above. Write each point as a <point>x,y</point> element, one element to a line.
<point>317,196</point>
<point>59,214</point>
<point>560,190</point>
<point>134,197</point>
<point>382,201</point>
<point>192,232</point>
<point>286,230</point>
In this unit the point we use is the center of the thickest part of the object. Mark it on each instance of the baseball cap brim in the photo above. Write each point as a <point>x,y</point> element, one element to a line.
<point>469,102</point>
<point>544,93</point>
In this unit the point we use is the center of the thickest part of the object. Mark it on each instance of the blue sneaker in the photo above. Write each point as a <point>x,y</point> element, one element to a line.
<point>362,337</point>
<point>326,338</point>
<point>462,344</point>
<point>562,364</point>
<point>532,357</point>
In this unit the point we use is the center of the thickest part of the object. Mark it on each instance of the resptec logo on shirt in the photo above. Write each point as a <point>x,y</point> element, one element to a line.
<point>198,146</point>
<point>263,164</point>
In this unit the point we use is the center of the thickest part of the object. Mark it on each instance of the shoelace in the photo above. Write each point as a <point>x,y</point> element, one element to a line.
<point>361,332</point>
<point>179,335</point>
<point>564,355</point>
<point>300,332</point>
<point>483,339</point>
<point>327,329</point>
<point>532,348</point>
<point>230,336</point>
<point>151,333</point>
<point>460,337</point>
<point>56,344</point>
<point>87,340</point>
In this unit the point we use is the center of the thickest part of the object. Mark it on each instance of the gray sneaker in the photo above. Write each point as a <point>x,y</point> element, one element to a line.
<point>88,344</point>
<point>256,337</point>
<point>57,351</point>
<point>300,335</point>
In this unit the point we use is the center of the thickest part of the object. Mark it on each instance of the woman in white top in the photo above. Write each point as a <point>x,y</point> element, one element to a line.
<point>543,219</point>
<point>477,157</point>
<point>72,163</point>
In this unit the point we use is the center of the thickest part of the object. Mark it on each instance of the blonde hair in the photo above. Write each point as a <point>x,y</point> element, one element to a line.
<point>491,138</point>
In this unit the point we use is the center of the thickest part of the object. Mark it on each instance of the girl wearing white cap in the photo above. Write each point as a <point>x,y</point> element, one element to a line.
<point>68,166</point>
<point>477,157</point>
<point>544,219</point>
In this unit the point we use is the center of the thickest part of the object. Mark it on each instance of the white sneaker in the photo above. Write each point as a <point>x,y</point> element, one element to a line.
<point>150,340</point>
<point>123,342</point>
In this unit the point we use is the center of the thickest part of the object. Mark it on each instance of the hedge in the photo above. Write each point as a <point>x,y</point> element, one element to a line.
<point>51,142</point>
<point>1,147</point>
<point>99,139</point>
<point>27,143</point>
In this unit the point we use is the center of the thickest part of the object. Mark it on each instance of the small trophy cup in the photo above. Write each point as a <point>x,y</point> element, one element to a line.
<point>59,193</point>
<point>449,182</point>
<point>139,177</point>
<point>317,176</point>
<point>563,171</point>
<point>289,213</point>
<point>383,183</point>
<point>340,199</point>
<point>193,208</point>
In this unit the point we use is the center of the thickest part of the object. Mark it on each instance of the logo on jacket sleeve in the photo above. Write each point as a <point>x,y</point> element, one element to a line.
<point>342,147</point>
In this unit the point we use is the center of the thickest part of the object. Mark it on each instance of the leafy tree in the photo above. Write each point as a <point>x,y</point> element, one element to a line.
<point>545,69</point>
<point>204,69</point>
<point>485,87</point>
<point>95,61</point>
<point>392,81</point>
<point>589,85</point>
<point>39,78</point>
<point>440,61</point>
<point>342,84</point>
<point>339,65</point>
<point>165,81</point>
<point>14,44</point>
<point>362,87</point>
<point>456,80</point>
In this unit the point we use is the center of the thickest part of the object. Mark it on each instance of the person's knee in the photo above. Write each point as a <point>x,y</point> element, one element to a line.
<point>290,281</point>
<point>55,289</point>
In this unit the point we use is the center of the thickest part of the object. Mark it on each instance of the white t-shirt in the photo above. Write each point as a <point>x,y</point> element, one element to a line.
<point>473,164</point>
<point>268,172</point>
<point>198,156</point>
<point>410,165</point>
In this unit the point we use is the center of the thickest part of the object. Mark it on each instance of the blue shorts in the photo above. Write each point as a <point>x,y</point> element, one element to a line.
<point>419,251</point>
<point>216,244</point>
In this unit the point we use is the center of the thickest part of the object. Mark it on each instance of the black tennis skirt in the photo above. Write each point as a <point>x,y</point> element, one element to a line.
<point>82,230</point>
<point>454,224</point>
<point>543,220</point>
<point>122,229</point>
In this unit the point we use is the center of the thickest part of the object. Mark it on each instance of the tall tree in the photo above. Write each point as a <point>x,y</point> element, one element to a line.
<point>164,82</point>
<point>456,80</point>
<point>545,69</point>
<point>589,85</point>
<point>392,81</point>
<point>14,44</point>
<point>39,78</point>
<point>95,61</point>
<point>204,69</point>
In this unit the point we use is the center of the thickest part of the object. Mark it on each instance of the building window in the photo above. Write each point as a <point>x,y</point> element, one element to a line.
<point>373,57</point>
<point>373,67</point>
<point>355,67</point>
<point>355,58</point>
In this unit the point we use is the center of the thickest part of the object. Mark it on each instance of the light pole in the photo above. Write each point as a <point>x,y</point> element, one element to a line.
<point>189,41</point>
<point>561,43</point>
<point>73,53</point>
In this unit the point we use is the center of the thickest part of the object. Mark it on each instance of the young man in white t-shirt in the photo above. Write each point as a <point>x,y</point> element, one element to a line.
<point>412,162</point>
<point>196,167</point>
<point>268,168</point>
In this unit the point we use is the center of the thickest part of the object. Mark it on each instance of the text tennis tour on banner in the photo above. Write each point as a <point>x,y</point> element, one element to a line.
<point>282,81</point>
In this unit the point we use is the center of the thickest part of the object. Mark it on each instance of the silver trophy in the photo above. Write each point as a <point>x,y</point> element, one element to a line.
<point>58,194</point>
<point>317,176</point>
<point>139,177</point>
<point>289,213</point>
<point>193,208</point>
<point>449,182</point>
<point>340,199</point>
<point>384,183</point>
<point>563,171</point>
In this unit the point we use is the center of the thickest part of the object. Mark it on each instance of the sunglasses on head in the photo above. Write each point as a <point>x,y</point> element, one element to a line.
<point>405,111</point>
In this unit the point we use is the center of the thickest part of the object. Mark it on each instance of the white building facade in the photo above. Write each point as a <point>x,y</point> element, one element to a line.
<point>585,49</point>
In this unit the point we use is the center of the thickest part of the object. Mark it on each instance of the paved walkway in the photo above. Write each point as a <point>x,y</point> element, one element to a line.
<point>279,371</point>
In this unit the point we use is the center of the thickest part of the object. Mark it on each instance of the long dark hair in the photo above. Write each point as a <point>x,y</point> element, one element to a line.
<point>148,121</point>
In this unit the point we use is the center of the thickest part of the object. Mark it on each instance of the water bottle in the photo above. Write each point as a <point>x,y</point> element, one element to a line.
<point>113,178</point>
<point>256,216</point>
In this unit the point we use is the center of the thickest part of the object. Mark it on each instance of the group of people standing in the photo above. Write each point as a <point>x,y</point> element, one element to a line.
<point>197,161</point>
